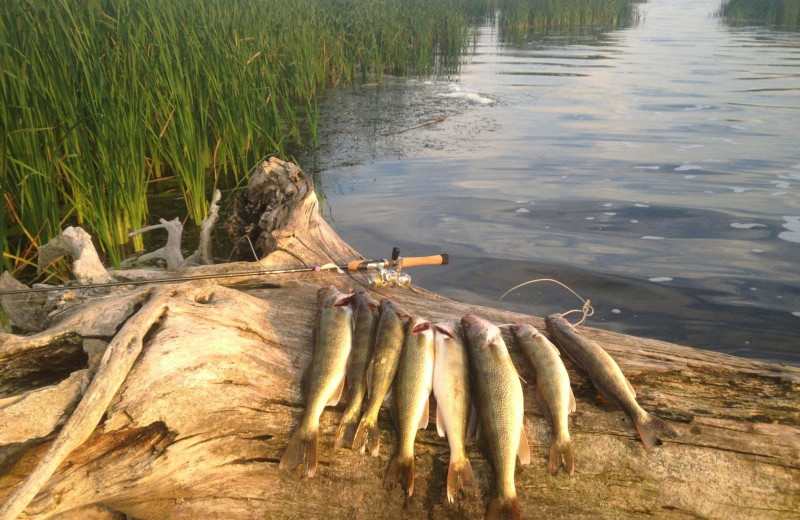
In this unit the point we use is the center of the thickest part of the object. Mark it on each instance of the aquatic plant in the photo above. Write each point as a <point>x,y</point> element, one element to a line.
<point>781,13</point>
<point>106,102</point>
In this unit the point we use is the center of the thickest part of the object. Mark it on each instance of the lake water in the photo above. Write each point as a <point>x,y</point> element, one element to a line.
<point>654,169</point>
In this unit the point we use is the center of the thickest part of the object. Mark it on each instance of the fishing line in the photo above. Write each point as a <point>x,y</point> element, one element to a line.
<point>586,309</point>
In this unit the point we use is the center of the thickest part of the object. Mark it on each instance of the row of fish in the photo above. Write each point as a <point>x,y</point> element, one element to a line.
<point>377,348</point>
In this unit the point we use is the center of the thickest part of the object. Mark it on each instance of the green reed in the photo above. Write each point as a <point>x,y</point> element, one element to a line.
<point>781,13</point>
<point>104,99</point>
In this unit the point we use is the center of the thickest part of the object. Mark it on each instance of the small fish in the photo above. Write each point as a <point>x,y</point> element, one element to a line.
<point>452,389</point>
<point>366,326</point>
<point>381,371</point>
<point>555,395</point>
<point>325,377</point>
<point>412,391</point>
<point>608,378</point>
<point>500,407</point>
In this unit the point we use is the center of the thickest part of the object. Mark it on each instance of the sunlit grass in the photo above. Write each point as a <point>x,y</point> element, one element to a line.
<point>780,13</point>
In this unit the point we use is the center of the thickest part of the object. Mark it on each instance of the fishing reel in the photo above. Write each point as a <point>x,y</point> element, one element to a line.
<point>390,277</point>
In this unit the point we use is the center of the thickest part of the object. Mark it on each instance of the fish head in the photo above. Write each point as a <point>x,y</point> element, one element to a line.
<point>418,325</point>
<point>554,322</point>
<point>387,306</point>
<point>480,333</point>
<point>335,298</point>
<point>445,334</point>
<point>523,331</point>
<point>361,298</point>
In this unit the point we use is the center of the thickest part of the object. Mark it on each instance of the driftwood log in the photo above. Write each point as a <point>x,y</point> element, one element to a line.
<point>176,401</point>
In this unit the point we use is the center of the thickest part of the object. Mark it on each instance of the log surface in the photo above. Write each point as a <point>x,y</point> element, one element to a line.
<point>199,424</point>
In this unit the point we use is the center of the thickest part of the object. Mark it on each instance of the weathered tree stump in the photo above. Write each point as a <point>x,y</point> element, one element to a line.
<point>198,388</point>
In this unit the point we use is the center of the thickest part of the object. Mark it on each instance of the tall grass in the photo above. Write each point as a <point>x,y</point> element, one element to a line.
<point>102,98</point>
<point>780,13</point>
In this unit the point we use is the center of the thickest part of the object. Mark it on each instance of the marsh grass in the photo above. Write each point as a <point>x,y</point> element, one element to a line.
<point>105,100</point>
<point>780,13</point>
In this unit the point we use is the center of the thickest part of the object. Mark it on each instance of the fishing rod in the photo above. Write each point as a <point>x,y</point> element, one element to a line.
<point>389,273</point>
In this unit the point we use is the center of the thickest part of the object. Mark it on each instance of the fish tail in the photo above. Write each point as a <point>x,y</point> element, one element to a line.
<point>561,450</point>
<point>302,449</point>
<point>503,508</point>
<point>368,436</point>
<point>651,429</point>
<point>401,469</point>
<point>460,478</point>
<point>346,432</point>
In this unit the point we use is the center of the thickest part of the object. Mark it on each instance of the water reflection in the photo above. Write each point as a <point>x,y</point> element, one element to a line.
<point>654,169</point>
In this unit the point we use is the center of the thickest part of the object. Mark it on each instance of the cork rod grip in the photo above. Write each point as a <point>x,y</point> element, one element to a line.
<point>411,261</point>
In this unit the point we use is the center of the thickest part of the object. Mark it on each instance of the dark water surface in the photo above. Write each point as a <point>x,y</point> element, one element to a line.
<point>653,169</point>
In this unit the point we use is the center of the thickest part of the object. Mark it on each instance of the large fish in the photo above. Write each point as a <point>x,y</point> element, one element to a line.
<point>381,371</point>
<point>608,378</point>
<point>410,405</point>
<point>500,407</point>
<point>452,389</point>
<point>366,325</point>
<point>555,395</point>
<point>325,377</point>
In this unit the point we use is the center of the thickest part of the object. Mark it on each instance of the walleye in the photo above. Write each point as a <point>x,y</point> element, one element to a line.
<point>608,378</point>
<point>326,375</point>
<point>366,325</point>
<point>412,391</point>
<point>452,389</point>
<point>555,395</point>
<point>381,371</point>
<point>500,408</point>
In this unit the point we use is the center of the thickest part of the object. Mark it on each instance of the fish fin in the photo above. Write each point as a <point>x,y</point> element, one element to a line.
<point>561,449</point>
<point>440,427</point>
<point>425,417</point>
<point>346,432</point>
<point>472,423</point>
<point>503,509</point>
<point>630,386</point>
<point>524,450</point>
<point>651,429</point>
<point>572,405</point>
<point>401,470</point>
<point>367,436</point>
<point>337,394</point>
<point>302,449</point>
<point>543,408</point>
<point>460,479</point>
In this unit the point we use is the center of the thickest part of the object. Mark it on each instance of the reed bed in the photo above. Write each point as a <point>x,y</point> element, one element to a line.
<point>780,13</point>
<point>104,99</point>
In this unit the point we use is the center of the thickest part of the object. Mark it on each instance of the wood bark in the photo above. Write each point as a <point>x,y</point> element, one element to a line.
<point>195,388</point>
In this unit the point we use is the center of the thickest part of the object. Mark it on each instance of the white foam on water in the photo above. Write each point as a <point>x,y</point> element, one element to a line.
<point>757,250</point>
<point>521,201</point>
<point>689,146</point>
<point>731,141</point>
<point>777,194</point>
<point>652,237</point>
<point>781,184</point>
<point>689,176</point>
<point>522,210</point>
<point>457,92</point>
<point>749,225</point>
<point>753,289</point>
<point>609,213</point>
<point>796,166</point>
<point>589,218</point>
<point>647,167</point>
<point>634,221</point>
<point>796,313</point>
<point>638,205</point>
<point>795,176</point>
<point>660,279</point>
<point>708,191</point>
<point>428,82</point>
<point>629,144</point>
<point>696,107</point>
<point>714,160</point>
<point>738,127</point>
<point>739,189</point>
<point>793,225</point>
<point>616,311</point>
<point>607,205</point>
<point>688,168</point>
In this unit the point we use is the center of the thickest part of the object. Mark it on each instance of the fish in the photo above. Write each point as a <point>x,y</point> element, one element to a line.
<point>500,406</point>
<point>607,378</point>
<point>411,402</point>
<point>366,326</point>
<point>325,377</point>
<point>381,372</point>
<point>453,392</point>
<point>555,395</point>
